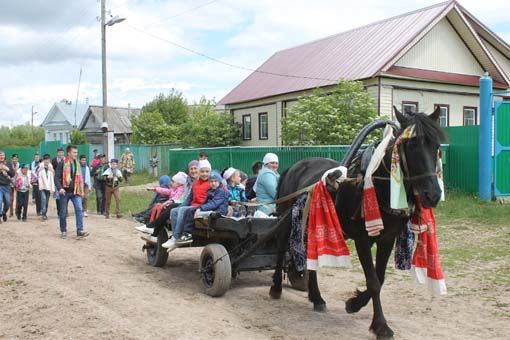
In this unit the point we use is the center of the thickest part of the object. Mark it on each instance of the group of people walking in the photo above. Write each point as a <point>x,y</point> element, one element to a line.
<point>66,177</point>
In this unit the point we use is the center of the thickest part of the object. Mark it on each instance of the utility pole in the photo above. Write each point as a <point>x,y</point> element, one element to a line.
<point>108,140</point>
<point>105,100</point>
<point>32,124</point>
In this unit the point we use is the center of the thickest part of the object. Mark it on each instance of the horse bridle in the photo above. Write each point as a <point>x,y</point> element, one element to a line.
<point>405,168</point>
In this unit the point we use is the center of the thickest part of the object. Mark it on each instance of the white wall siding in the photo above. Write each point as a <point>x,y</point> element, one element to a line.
<point>386,106</point>
<point>442,50</point>
<point>503,61</point>
<point>429,94</point>
<point>273,127</point>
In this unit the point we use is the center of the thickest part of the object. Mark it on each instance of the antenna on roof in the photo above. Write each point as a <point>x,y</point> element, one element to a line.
<point>76,102</point>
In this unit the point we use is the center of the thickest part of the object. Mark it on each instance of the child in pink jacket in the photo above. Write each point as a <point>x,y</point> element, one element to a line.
<point>175,193</point>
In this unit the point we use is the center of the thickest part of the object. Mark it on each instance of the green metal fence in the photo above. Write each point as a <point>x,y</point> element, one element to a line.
<point>461,171</point>
<point>243,157</point>
<point>26,153</point>
<point>142,154</point>
<point>460,157</point>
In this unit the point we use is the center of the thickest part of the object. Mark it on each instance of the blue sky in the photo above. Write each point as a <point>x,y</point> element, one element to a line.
<point>43,44</point>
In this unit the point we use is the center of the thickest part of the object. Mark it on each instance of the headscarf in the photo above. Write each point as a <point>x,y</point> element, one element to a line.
<point>269,158</point>
<point>164,181</point>
<point>192,164</point>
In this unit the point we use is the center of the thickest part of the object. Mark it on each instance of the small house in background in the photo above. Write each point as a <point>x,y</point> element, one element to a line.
<point>61,119</point>
<point>417,61</point>
<point>119,120</point>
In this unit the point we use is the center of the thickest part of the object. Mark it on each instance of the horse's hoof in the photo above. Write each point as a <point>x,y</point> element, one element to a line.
<point>275,293</point>
<point>320,307</point>
<point>351,306</point>
<point>382,332</point>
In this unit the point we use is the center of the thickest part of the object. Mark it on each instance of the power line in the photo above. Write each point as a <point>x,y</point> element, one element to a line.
<point>219,61</point>
<point>182,13</point>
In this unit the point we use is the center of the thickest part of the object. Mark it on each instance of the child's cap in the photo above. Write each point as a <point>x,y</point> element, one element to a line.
<point>204,164</point>
<point>180,178</point>
<point>114,160</point>
<point>25,166</point>
<point>164,181</point>
<point>228,173</point>
<point>215,175</point>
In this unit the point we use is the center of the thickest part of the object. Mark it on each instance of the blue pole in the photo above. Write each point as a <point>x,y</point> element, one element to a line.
<point>485,140</point>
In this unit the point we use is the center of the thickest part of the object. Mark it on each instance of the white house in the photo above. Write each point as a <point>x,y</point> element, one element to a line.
<point>416,61</point>
<point>61,119</point>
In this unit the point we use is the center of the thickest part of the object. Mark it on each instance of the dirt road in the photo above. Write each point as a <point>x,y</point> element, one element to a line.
<point>102,288</point>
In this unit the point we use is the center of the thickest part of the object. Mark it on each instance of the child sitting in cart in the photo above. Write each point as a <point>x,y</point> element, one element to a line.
<point>237,194</point>
<point>216,201</point>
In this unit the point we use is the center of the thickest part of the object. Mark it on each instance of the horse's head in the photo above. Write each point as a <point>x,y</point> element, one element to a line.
<point>419,152</point>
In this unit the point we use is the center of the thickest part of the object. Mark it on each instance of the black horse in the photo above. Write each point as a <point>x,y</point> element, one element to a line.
<point>419,157</point>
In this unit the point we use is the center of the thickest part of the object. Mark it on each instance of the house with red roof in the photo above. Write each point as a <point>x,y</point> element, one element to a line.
<point>416,61</point>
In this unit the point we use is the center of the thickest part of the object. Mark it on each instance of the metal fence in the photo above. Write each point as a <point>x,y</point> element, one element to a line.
<point>460,157</point>
<point>461,171</point>
<point>243,157</point>
<point>26,153</point>
<point>143,152</point>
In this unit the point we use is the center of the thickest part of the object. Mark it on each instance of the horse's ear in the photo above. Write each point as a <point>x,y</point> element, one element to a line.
<point>402,119</point>
<point>435,115</point>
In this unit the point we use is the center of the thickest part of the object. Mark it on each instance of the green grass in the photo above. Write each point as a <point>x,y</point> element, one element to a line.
<point>139,179</point>
<point>130,202</point>
<point>461,206</point>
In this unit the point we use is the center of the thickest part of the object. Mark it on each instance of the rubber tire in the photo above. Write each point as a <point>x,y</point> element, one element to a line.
<point>219,283</point>
<point>297,282</point>
<point>159,256</point>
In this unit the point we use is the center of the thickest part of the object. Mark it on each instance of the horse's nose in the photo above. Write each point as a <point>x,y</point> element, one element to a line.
<point>431,198</point>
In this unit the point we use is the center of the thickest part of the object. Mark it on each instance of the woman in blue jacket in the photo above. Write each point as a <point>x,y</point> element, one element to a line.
<point>267,183</point>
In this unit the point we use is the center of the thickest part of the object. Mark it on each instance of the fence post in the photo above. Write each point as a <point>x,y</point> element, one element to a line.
<point>485,141</point>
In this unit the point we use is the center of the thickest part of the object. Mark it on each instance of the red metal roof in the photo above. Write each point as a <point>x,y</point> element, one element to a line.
<point>356,54</point>
<point>444,77</point>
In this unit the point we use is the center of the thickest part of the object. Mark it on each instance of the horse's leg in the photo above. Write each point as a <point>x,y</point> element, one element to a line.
<point>361,298</point>
<point>314,295</point>
<point>282,241</point>
<point>379,325</point>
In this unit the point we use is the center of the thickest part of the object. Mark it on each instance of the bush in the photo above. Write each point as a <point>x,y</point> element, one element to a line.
<point>330,119</point>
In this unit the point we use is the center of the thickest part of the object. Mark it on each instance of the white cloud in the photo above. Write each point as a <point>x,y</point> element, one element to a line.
<point>40,58</point>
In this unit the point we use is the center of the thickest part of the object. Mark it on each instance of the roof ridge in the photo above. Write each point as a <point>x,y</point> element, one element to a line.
<point>444,3</point>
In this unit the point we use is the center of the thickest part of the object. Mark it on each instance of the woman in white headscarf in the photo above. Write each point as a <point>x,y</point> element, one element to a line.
<point>267,183</point>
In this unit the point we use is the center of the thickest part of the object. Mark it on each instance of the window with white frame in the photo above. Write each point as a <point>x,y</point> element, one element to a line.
<point>409,107</point>
<point>247,127</point>
<point>444,114</point>
<point>263,126</point>
<point>469,115</point>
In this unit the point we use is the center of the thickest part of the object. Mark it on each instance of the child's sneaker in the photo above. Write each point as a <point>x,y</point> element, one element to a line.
<point>143,228</point>
<point>184,239</point>
<point>170,245</point>
<point>150,238</point>
<point>63,235</point>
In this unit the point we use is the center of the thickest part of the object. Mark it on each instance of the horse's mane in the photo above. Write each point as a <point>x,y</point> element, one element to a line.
<point>425,127</point>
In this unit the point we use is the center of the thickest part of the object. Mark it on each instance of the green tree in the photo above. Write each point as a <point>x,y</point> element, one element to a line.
<point>21,135</point>
<point>150,128</point>
<point>78,137</point>
<point>208,128</point>
<point>329,119</point>
<point>172,107</point>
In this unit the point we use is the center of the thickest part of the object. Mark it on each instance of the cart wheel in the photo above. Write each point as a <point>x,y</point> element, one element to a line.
<point>215,269</point>
<point>298,280</point>
<point>156,254</point>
